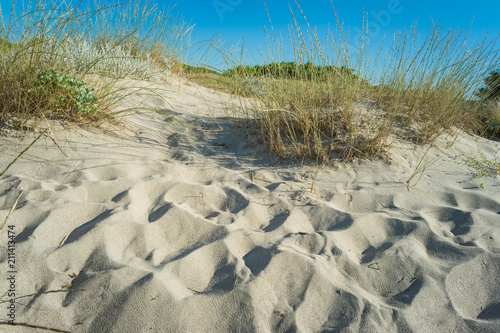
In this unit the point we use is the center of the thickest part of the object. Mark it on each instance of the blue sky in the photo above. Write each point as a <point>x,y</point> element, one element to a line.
<point>238,19</point>
<point>234,19</point>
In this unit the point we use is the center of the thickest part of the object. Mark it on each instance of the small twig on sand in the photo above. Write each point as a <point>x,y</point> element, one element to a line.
<point>252,178</point>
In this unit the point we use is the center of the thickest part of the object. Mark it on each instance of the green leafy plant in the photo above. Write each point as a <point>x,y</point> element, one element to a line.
<point>66,92</point>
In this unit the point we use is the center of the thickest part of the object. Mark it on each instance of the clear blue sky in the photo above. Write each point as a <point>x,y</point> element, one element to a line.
<point>238,19</point>
<point>234,19</point>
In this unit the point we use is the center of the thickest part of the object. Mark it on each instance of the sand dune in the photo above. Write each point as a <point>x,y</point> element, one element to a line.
<point>181,227</point>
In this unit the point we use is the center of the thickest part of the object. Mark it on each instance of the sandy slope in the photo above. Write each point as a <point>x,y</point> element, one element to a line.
<point>187,228</point>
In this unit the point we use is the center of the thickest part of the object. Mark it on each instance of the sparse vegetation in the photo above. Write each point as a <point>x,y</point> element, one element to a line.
<point>67,63</point>
<point>331,100</point>
<point>356,101</point>
<point>484,167</point>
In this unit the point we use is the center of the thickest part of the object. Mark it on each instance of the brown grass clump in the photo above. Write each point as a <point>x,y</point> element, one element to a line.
<point>425,88</point>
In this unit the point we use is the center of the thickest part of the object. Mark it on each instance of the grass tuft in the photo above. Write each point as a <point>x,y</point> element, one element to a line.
<point>351,100</point>
<point>59,62</point>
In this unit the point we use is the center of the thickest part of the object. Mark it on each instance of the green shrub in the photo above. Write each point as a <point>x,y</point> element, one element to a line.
<point>292,70</point>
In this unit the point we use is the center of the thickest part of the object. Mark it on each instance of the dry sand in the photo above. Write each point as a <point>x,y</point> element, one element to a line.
<point>186,228</point>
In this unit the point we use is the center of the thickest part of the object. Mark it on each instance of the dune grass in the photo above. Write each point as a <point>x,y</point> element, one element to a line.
<point>349,100</point>
<point>59,62</point>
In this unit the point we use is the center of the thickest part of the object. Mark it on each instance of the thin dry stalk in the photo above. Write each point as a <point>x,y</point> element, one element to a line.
<point>22,153</point>
<point>11,210</point>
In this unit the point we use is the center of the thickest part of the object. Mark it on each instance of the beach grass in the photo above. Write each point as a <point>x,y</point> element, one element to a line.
<point>60,62</point>
<point>353,99</point>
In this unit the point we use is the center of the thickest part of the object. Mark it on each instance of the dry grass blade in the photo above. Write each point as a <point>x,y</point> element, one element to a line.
<point>21,154</point>
<point>31,295</point>
<point>11,210</point>
<point>40,158</point>
<point>56,143</point>
<point>34,326</point>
